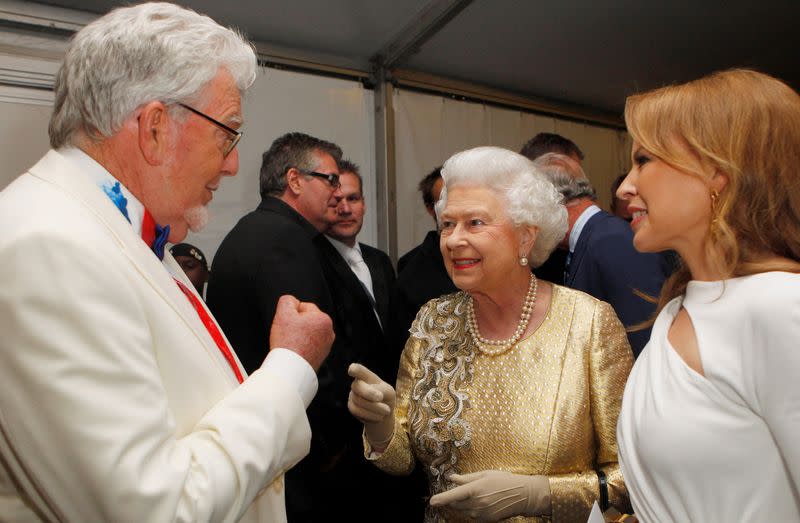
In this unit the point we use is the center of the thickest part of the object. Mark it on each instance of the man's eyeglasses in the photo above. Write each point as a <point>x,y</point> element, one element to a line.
<point>233,135</point>
<point>333,179</point>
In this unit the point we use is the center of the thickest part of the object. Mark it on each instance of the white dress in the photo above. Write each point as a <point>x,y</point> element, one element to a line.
<point>725,446</point>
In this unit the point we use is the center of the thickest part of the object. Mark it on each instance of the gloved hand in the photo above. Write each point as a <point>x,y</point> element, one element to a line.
<point>372,401</point>
<point>492,495</point>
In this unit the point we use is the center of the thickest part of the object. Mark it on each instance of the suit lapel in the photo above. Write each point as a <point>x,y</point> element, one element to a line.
<point>379,287</point>
<point>346,278</point>
<point>55,169</point>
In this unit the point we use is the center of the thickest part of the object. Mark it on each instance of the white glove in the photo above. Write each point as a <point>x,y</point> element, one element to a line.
<point>492,495</point>
<point>372,401</point>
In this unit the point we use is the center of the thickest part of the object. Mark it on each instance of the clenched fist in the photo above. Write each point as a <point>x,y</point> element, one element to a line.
<point>303,328</point>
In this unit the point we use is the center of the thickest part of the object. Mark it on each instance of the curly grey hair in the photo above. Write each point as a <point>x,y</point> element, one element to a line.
<point>567,176</point>
<point>133,55</point>
<point>530,198</point>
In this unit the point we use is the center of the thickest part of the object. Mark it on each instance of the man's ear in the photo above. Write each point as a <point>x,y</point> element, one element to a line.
<point>153,133</point>
<point>293,181</point>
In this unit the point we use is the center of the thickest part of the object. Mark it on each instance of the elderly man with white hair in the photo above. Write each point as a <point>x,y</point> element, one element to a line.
<point>121,398</point>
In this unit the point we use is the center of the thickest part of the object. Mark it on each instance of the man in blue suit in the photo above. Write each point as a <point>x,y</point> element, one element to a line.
<point>601,260</point>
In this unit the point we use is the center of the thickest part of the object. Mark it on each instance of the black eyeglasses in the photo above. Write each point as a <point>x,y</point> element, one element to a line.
<point>234,135</point>
<point>333,179</point>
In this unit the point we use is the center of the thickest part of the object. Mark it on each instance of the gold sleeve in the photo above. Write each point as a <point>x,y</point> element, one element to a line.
<point>398,458</point>
<point>610,361</point>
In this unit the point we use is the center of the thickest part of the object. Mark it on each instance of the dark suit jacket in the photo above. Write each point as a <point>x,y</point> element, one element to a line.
<point>384,279</point>
<point>606,266</point>
<point>358,331</point>
<point>552,269</point>
<point>270,252</point>
<point>359,338</point>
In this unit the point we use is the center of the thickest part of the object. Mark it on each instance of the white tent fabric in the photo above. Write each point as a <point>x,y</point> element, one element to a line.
<point>284,101</point>
<point>430,128</point>
<point>279,102</point>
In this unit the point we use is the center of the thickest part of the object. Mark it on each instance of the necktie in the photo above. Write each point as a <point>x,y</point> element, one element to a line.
<point>212,329</point>
<point>154,235</point>
<point>359,267</point>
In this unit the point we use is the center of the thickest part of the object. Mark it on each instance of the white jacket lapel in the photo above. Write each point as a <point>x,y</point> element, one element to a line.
<point>57,170</point>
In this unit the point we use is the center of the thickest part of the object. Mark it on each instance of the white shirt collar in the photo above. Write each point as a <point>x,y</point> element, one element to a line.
<point>579,224</point>
<point>105,180</point>
<point>344,249</point>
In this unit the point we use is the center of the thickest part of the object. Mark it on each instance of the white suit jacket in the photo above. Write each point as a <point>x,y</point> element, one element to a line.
<point>115,402</point>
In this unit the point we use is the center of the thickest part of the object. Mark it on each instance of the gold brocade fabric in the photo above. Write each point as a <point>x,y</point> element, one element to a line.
<point>548,406</point>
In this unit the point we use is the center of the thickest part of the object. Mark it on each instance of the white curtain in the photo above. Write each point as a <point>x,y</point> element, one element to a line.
<point>278,102</point>
<point>430,128</point>
<point>283,101</point>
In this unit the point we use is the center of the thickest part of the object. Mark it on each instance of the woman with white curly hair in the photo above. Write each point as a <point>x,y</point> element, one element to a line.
<point>509,390</point>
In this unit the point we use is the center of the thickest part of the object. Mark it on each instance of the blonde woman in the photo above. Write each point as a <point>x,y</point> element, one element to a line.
<point>710,423</point>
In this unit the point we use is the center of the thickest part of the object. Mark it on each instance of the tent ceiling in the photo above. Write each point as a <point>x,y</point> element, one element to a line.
<point>578,52</point>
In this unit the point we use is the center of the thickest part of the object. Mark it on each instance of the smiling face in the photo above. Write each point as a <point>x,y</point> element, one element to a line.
<point>480,245</point>
<point>671,208</point>
<point>349,217</point>
<point>196,167</point>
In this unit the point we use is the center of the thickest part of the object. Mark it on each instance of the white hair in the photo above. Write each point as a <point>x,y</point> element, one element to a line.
<point>529,197</point>
<point>133,55</point>
<point>566,175</point>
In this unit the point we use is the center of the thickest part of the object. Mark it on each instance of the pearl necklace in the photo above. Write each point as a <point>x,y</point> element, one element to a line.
<point>502,345</point>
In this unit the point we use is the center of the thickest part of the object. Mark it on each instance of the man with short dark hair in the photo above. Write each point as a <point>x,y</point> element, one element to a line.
<point>430,187</point>
<point>421,272</point>
<point>601,259</point>
<point>277,249</point>
<point>361,280</point>
<point>544,143</point>
<point>270,251</point>
<point>372,267</point>
<point>122,399</point>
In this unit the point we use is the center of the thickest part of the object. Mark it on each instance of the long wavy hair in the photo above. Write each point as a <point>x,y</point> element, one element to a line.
<point>747,125</point>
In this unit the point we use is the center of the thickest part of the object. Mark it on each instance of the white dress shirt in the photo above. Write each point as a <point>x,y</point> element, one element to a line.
<point>355,260</point>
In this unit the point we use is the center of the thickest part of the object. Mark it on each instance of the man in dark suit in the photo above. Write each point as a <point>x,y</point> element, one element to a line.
<point>601,259</point>
<point>421,272</point>
<point>361,280</point>
<point>273,251</point>
<point>270,251</point>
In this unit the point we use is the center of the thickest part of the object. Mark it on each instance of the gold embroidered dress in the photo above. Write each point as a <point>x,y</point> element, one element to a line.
<point>548,406</point>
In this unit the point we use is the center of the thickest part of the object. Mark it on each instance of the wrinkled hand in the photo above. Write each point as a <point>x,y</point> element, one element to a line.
<point>372,402</point>
<point>301,327</point>
<point>492,495</point>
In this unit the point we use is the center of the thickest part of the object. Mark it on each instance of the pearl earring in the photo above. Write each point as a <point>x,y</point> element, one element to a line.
<point>523,261</point>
